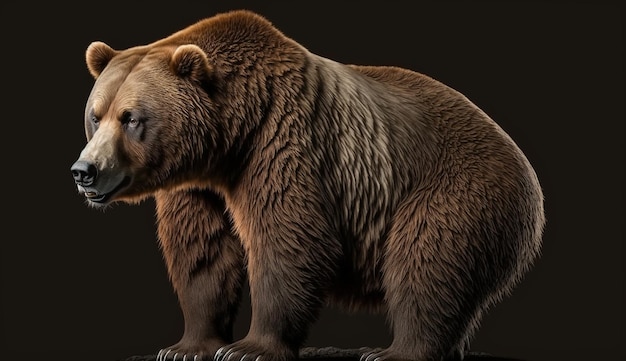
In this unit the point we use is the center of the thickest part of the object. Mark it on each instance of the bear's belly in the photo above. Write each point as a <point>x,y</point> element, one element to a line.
<point>357,293</point>
<point>358,284</point>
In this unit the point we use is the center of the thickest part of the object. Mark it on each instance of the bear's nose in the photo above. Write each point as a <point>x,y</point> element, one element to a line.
<point>84,172</point>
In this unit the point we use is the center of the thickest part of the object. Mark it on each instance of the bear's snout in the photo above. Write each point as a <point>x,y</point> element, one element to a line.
<point>84,172</point>
<point>98,185</point>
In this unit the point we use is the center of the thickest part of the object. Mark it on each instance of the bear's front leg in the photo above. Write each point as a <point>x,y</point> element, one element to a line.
<point>205,264</point>
<point>291,263</point>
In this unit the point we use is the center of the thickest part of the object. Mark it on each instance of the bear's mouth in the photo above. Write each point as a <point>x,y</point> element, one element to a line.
<point>101,198</point>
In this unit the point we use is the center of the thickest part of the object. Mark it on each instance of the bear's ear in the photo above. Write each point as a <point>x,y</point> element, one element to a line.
<point>98,55</point>
<point>189,61</point>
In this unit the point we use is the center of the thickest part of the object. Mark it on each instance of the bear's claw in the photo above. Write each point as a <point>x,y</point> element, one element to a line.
<point>236,352</point>
<point>169,355</point>
<point>373,355</point>
<point>219,354</point>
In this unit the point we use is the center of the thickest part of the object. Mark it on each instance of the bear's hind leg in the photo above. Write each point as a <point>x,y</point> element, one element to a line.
<point>431,292</point>
<point>205,264</point>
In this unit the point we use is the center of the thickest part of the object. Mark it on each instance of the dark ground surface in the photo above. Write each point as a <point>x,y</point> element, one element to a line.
<point>340,354</point>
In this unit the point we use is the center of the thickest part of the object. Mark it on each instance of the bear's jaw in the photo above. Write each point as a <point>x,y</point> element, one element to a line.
<point>99,198</point>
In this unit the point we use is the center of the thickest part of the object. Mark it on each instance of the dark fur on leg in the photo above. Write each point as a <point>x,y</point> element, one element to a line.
<point>205,263</point>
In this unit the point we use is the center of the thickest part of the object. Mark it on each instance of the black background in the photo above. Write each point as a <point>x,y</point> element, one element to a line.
<point>82,284</point>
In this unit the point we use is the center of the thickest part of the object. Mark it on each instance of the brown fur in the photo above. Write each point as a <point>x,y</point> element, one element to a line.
<point>369,187</point>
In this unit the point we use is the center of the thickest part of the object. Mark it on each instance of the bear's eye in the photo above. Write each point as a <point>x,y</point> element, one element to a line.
<point>94,119</point>
<point>130,121</point>
<point>133,122</point>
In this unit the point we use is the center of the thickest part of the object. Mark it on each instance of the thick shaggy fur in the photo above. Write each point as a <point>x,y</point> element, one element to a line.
<point>369,187</point>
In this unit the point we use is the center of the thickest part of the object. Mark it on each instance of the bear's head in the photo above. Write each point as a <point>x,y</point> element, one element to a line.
<point>143,121</point>
<point>183,111</point>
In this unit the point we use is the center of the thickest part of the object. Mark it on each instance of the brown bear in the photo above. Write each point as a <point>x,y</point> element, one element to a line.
<point>370,187</point>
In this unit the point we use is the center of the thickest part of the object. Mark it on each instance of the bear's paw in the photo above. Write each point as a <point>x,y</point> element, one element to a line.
<point>249,350</point>
<point>185,351</point>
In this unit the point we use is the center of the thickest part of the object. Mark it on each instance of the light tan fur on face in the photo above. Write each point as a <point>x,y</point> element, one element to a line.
<point>101,149</point>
